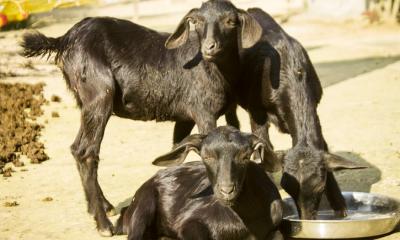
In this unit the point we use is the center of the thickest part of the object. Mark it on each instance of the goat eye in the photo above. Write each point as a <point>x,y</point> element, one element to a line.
<point>197,22</point>
<point>231,22</point>
<point>193,21</point>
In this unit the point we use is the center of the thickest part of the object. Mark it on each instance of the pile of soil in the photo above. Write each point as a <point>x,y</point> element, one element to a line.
<point>20,105</point>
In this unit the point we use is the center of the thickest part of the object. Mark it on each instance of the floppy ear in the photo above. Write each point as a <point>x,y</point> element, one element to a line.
<point>251,29</point>
<point>335,162</point>
<point>179,153</point>
<point>181,33</point>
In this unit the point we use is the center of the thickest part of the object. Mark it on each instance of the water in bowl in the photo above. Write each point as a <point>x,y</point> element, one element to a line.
<point>351,215</point>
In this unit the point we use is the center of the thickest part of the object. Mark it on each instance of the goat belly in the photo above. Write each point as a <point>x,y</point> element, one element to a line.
<point>145,106</point>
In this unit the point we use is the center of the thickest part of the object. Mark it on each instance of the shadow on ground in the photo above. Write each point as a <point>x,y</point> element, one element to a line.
<point>334,72</point>
<point>313,47</point>
<point>123,204</point>
<point>359,180</point>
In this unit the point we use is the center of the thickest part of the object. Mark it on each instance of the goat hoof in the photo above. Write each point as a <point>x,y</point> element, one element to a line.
<point>111,212</point>
<point>105,232</point>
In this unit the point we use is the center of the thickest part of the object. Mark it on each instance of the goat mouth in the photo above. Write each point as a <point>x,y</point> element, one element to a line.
<point>211,56</point>
<point>228,203</point>
<point>228,200</point>
<point>208,57</point>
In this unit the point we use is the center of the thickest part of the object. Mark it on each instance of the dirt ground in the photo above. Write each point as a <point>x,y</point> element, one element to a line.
<point>19,134</point>
<point>358,64</point>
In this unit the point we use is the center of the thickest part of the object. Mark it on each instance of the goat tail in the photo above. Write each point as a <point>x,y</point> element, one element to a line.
<point>37,44</point>
<point>119,225</point>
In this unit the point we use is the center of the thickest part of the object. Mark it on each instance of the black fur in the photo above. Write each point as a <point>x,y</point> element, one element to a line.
<point>37,44</point>
<point>114,66</point>
<point>191,201</point>
<point>291,105</point>
<point>280,85</point>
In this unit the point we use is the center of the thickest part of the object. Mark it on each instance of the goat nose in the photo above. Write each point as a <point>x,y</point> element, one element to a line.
<point>227,189</point>
<point>211,46</point>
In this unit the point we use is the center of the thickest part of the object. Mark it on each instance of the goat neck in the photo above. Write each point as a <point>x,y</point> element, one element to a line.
<point>302,117</point>
<point>248,202</point>
<point>228,65</point>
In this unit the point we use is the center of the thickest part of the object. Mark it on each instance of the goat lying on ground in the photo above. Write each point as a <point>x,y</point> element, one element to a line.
<point>226,196</point>
<point>279,84</point>
<point>116,66</point>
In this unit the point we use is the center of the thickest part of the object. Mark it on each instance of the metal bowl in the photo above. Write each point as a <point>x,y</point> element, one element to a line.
<point>368,215</point>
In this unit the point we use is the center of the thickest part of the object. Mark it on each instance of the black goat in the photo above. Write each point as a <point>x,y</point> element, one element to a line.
<point>280,85</point>
<point>226,196</point>
<point>116,66</point>
<point>290,100</point>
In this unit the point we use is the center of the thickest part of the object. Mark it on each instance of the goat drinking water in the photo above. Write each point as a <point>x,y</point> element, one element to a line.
<point>290,101</point>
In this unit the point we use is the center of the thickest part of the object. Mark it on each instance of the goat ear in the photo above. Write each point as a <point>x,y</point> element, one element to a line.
<point>251,29</point>
<point>179,153</point>
<point>258,145</point>
<point>181,34</point>
<point>267,156</point>
<point>335,162</point>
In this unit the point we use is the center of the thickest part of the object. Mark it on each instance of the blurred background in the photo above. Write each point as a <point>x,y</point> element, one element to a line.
<point>353,44</point>
<point>34,12</point>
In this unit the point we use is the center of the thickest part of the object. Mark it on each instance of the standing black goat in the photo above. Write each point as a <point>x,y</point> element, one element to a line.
<point>289,99</point>
<point>226,196</point>
<point>280,85</point>
<point>116,66</point>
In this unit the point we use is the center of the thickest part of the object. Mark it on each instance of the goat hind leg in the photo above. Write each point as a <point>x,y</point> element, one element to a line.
<point>110,210</point>
<point>86,152</point>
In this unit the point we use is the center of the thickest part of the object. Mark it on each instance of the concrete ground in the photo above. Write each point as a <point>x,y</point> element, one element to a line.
<point>359,66</point>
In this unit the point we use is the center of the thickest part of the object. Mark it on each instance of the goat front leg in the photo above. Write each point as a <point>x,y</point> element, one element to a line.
<point>86,149</point>
<point>231,117</point>
<point>193,230</point>
<point>334,196</point>
<point>205,123</point>
<point>277,235</point>
<point>182,129</point>
<point>259,127</point>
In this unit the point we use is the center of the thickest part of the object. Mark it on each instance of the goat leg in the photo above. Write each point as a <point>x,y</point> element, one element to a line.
<point>205,123</point>
<point>182,129</point>
<point>231,117</point>
<point>193,230</point>
<point>85,149</point>
<point>334,196</point>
